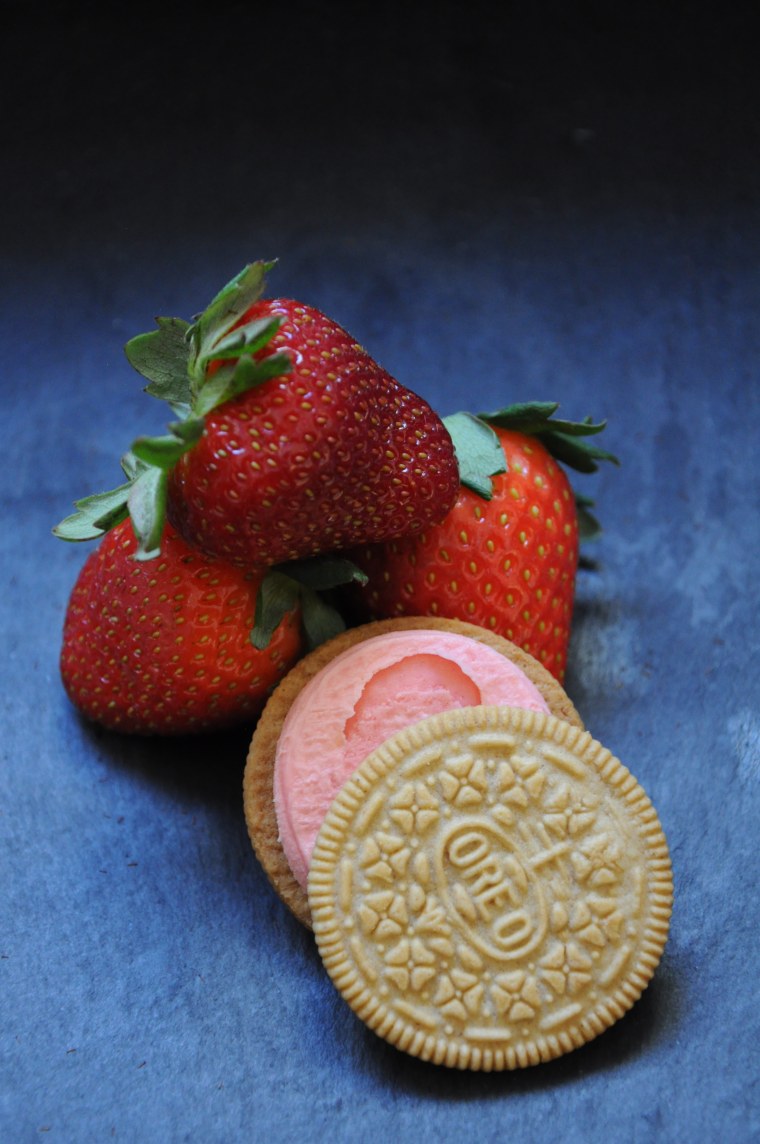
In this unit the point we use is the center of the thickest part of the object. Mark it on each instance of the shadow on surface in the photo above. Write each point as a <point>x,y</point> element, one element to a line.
<point>202,768</point>
<point>653,1019</point>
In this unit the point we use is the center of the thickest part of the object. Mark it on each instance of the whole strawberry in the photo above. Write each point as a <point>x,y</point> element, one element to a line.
<point>162,647</point>
<point>506,555</point>
<point>289,440</point>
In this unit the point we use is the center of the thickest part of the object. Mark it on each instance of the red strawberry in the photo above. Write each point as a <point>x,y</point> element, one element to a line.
<point>290,440</point>
<point>506,556</point>
<point>335,452</point>
<point>162,647</point>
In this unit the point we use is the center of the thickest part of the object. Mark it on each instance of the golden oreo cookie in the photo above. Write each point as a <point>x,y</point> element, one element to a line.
<point>491,889</point>
<point>258,783</point>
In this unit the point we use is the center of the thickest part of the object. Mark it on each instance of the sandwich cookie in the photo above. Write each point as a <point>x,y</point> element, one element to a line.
<point>344,699</point>
<point>491,888</point>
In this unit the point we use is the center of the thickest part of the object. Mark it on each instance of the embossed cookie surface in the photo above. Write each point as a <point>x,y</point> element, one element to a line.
<point>490,889</point>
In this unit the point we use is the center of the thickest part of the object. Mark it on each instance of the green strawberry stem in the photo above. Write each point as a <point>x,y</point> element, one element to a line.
<point>308,583</point>
<point>563,439</point>
<point>481,456</point>
<point>479,453</point>
<point>175,359</point>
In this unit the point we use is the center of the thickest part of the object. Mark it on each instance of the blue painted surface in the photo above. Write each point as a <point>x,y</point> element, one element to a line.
<point>552,207</point>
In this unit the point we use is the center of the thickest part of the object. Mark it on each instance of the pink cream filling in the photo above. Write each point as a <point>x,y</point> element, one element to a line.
<point>364,696</point>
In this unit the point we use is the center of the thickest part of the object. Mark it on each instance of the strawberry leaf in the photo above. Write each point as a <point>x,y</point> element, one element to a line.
<point>577,454</point>
<point>585,428</point>
<point>162,357</point>
<point>320,573</point>
<point>147,508</point>
<point>277,596</point>
<point>95,515</point>
<point>164,452</point>
<point>131,466</point>
<point>586,563</point>
<point>563,439</point>
<point>190,430</point>
<point>243,341</point>
<point>523,417</point>
<point>175,359</point>
<point>224,310</point>
<point>479,453</point>
<point>232,381</point>
<point>304,583</point>
<point>321,620</point>
<point>588,526</point>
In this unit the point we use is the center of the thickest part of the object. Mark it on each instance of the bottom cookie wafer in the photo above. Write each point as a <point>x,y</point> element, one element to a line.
<point>490,889</point>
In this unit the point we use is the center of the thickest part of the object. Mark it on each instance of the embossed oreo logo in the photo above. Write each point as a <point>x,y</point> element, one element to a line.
<point>493,896</point>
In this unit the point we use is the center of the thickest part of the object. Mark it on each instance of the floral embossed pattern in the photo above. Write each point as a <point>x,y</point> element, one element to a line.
<point>491,889</point>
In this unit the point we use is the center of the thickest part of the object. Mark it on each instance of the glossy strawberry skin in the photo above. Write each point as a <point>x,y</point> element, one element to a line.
<point>333,454</point>
<point>508,564</point>
<point>162,646</point>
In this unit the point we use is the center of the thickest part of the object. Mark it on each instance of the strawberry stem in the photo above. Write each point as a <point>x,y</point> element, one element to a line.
<point>175,359</point>
<point>564,439</point>
<point>161,357</point>
<point>307,583</point>
<point>480,454</point>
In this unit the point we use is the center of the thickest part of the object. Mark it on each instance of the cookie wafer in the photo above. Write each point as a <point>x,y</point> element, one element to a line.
<point>490,889</point>
<point>258,784</point>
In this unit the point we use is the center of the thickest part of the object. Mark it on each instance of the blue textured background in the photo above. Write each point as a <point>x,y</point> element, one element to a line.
<point>558,202</point>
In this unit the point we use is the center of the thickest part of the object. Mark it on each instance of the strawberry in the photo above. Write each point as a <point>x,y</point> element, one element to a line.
<point>289,440</point>
<point>162,647</point>
<point>506,555</point>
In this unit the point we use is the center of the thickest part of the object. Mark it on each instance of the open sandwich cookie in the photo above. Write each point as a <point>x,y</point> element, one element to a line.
<point>343,700</point>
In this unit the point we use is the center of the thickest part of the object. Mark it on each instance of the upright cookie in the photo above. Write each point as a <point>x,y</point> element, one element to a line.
<point>258,785</point>
<point>491,889</point>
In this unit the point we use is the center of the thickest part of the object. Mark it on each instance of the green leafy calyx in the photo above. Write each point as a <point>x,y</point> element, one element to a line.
<point>308,584</point>
<point>481,457</point>
<point>565,440</point>
<point>194,367</point>
<point>479,454</point>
